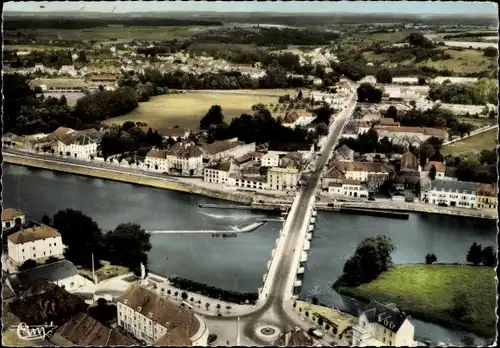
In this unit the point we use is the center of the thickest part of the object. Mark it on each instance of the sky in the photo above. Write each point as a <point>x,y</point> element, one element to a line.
<point>408,7</point>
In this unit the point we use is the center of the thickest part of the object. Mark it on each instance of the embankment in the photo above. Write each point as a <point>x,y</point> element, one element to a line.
<point>126,177</point>
<point>431,292</point>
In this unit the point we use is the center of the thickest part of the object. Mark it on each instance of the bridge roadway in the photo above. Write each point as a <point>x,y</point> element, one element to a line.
<point>275,307</point>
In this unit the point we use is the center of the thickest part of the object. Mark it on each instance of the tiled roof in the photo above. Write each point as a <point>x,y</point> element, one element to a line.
<point>184,150</point>
<point>53,272</point>
<point>222,166</point>
<point>56,305</point>
<point>11,214</point>
<point>290,118</point>
<point>167,132</point>
<point>160,310</point>
<point>361,167</point>
<point>487,190</point>
<point>422,130</point>
<point>157,153</point>
<point>83,330</point>
<point>386,315</point>
<point>32,234</point>
<point>387,121</point>
<point>335,173</point>
<point>256,154</point>
<point>440,166</point>
<point>242,159</point>
<point>295,338</point>
<point>248,178</point>
<point>409,161</point>
<point>59,133</point>
<point>221,146</point>
<point>453,186</point>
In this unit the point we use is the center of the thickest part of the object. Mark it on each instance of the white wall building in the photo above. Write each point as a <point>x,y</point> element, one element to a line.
<point>383,325</point>
<point>249,182</point>
<point>34,243</point>
<point>282,179</point>
<point>226,148</point>
<point>452,193</point>
<point>156,160</point>
<point>218,173</point>
<point>77,145</point>
<point>273,158</point>
<point>184,158</point>
<point>12,217</point>
<point>362,171</point>
<point>348,188</point>
<point>159,321</point>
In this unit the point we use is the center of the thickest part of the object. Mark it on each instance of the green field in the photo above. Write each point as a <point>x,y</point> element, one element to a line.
<point>114,32</point>
<point>185,110</point>
<point>476,143</point>
<point>426,291</point>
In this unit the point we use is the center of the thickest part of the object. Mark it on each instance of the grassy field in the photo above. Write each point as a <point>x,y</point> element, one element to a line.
<point>115,32</point>
<point>35,48</point>
<point>186,110</point>
<point>426,291</point>
<point>476,143</point>
<point>466,61</point>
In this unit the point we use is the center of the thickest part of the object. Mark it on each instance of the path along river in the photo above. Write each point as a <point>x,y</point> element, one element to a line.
<point>239,263</point>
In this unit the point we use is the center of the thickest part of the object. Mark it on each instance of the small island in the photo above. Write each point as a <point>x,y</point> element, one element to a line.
<point>452,295</point>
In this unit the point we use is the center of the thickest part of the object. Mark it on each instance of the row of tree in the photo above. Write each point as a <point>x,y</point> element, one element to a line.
<point>83,238</point>
<point>482,92</point>
<point>370,142</point>
<point>368,93</point>
<point>477,255</point>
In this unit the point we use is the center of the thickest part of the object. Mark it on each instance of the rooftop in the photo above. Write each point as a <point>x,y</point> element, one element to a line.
<point>489,190</point>
<point>184,150</point>
<point>32,234</point>
<point>370,167</point>
<point>221,146</point>
<point>294,338</point>
<point>174,338</point>
<point>222,166</point>
<point>440,166</point>
<point>388,315</point>
<point>454,186</point>
<point>11,214</point>
<point>52,272</point>
<point>83,330</point>
<point>160,310</point>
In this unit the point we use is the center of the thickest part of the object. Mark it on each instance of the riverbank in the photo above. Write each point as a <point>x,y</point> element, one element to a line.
<point>426,292</point>
<point>131,178</point>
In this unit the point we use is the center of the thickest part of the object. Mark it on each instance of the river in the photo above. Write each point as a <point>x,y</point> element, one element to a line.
<point>336,237</point>
<point>239,263</point>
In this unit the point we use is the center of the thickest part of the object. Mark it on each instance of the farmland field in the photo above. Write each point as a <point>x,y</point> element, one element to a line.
<point>466,61</point>
<point>476,143</point>
<point>186,110</point>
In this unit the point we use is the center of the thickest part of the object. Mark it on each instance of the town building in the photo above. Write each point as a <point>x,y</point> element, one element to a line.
<point>407,136</point>
<point>307,150</point>
<point>218,173</point>
<point>440,169</point>
<point>225,149</point>
<point>35,243</point>
<point>76,145</point>
<point>282,179</point>
<point>451,193</point>
<point>363,171</point>
<point>349,188</point>
<point>184,158</point>
<point>409,163</point>
<point>174,133</point>
<point>62,273</point>
<point>273,158</point>
<point>254,182</point>
<point>344,153</point>
<point>82,330</point>
<point>383,325</point>
<point>12,217</point>
<point>293,120</point>
<point>156,160</point>
<point>487,196</point>
<point>151,318</point>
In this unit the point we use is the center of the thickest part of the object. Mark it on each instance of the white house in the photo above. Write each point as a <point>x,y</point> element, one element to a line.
<point>348,188</point>
<point>156,160</point>
<point>416,134</point>
<point>249,182</point>
<point>293,119</point>
<point>440,169</point>
<point>62,273</point>
<point>12,217</point>
<point>159,321</point>
<point>35,243</point>
<point>452,193</point>
<point>273,158</point>
<point>282,179</point>
<point>383,325</point>
<point>184,158</point>
<point>218,173</point>
<point>362,171</point>
<point>226,148</point>
<point>76,145</point>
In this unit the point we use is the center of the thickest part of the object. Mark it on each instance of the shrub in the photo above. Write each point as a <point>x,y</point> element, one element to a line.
<point>307,314</point>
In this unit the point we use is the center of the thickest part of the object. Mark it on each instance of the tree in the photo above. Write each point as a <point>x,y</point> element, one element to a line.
<point>421,81</point>
<point>430,259</point>
<point>132,238</point>
<point>489,256</point>
<point>228,307</point>
<point>468,340</point>
<point>184,295</point>
<point>80,234</point>
<point>169,291</point>
<point>46,220</point>
<point>384,76</point>
<point>391,112</point>
<point>218,306</point>
<point>127,125</point>
<point>432,172</point>
<point>299,95</point>
<point>207,305</point>
<point>214,116</point>
<point>28,264</point>
<point>474,255</point>
<point>419,40</point>
<point>322,129</point>
<point>176,293</point>
<point>490,52</point>
<point>320,321</point>
<point>314,300</point>
<point>51,259</point>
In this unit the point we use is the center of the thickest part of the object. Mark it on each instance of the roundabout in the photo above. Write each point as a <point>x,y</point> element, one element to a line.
<point>268,333</point>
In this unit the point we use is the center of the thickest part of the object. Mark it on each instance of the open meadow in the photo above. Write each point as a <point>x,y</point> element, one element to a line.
<point>464,61</point>
<point>185,110</point>
<point>476,143</point>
